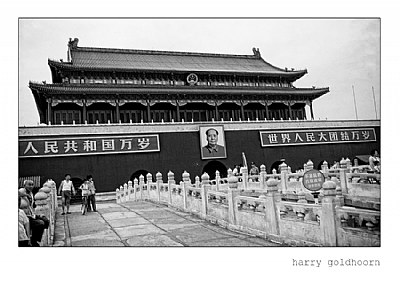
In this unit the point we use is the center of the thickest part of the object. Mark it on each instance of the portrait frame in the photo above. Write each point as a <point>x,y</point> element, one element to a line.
<point>220,143</point>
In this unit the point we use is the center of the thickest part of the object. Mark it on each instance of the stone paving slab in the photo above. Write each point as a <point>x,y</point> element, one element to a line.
<point>106,234</point>
<point>223,231</point>
<point>172,226</point>
<point>172,223</point>
<point>138,206</point>
<point>118,215</point>
<point>113,209</point>
<point>120,222</point>
<point>137,230</point>
<point>158,214</point>
<point>107,205</point>
<point>191,234</point>
<point>225,242</point>
<point>98,243</point>
<point>153,241</point>
<point>90,226</point>
<point>262,242</point>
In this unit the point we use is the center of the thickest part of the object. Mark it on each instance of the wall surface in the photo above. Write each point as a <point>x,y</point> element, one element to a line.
<point>180,150</point>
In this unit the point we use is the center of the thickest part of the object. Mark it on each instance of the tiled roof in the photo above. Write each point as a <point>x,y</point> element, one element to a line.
<point>124,59</point>
<point>151,89</point>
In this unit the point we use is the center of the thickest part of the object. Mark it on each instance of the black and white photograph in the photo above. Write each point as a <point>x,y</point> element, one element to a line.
<point>117,120</point>
<point>215,134</point>
<point>212,140</point>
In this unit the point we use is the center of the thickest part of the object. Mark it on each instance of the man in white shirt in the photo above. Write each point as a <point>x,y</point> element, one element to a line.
<point>66,187</point>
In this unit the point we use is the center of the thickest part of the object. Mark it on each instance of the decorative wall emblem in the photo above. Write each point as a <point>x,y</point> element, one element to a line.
<point>192,79</point>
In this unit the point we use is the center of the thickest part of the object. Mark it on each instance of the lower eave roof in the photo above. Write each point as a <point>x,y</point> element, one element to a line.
<point>166,89</point>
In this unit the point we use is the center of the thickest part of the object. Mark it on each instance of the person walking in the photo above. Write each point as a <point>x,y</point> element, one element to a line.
<point>92,193</point>
<point>65,189</point>
<point>85,193</point>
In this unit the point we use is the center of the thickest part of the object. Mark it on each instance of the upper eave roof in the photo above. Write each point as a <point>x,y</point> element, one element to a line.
<point>88,58</point>
<point>156,89</point>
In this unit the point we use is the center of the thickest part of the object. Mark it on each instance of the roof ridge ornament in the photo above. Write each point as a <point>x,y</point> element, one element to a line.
<point>256,52</point>
<point>73,43</point>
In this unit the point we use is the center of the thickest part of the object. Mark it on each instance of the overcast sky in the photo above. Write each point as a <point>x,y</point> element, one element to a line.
<point>337,53</point>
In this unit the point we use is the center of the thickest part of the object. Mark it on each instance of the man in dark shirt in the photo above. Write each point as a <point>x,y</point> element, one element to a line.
<point>212,149</point>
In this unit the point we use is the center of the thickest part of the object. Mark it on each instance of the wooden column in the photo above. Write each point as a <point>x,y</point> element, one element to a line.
<point>242,109</point>
<point>117,118</point>
<point>148,111</point>
<point>266,110</point>
<point>311,110</point>
<point>178,114</point>
<point>216,111</point>
<point>49,112</point>
<point>290,110</point>
<point>84,111</point>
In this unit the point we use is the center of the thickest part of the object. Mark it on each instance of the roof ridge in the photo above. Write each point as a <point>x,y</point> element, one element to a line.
<point>160,52</point>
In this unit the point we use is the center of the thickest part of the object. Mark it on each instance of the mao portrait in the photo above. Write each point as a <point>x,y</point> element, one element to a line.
<point>212,141</point>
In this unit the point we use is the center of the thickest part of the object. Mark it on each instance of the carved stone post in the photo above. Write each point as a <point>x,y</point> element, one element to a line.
<point>348,163</point>
<point>49,209</point>
<point>328,217</point>
<point>171,184</point>
<point>217,179</point>
<point>159,183</point>
<point>310,165</point>
<point>126,198</point>
<point>135,188</point>
<point>339,194</point>
<point>42,208</point>
<point>121,194</point>
<point>149,178</point>
<point>324,167</point>
<point>272,198</point>
<point>233,192</point>
<point>130,188</point>
<point>230,173</point>
<point>141,186</point>
<point>185,188</point>
<point>245,177</point>
<point>284,177</point>
<point>263,173</point>
<point>342,174</point>
<point>117,199</point>
<point>197,182</point>
<point>205,186</point>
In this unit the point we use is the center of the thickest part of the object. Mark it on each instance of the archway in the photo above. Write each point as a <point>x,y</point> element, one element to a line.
<point>77,182</point>
<point>137,173</point>
<point>276,165</point>
<point>319,167</point>
<point>212,166</point>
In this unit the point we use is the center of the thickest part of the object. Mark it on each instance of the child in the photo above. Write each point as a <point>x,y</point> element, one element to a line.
<point>23,227</point>
<point>92,194</point>
<point>85,192</point>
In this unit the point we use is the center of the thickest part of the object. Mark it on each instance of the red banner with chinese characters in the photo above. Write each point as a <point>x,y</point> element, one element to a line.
<point>316,136</point>
<point>75,146</point>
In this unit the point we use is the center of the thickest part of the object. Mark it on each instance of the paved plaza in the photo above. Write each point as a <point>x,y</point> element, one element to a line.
<point>144,224</point>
